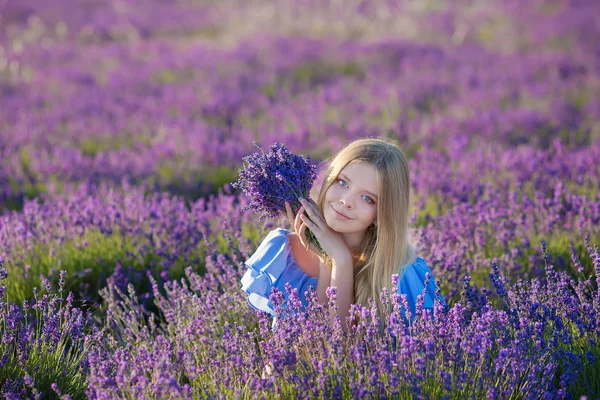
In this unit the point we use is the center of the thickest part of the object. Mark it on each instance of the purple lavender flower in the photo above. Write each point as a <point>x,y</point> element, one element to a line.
<point>272,178</point>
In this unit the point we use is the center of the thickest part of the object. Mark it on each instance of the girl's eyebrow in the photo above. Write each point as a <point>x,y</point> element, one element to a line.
<point>349,181</point>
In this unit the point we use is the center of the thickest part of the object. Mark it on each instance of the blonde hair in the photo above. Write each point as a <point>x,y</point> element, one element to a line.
<point>385,248</point>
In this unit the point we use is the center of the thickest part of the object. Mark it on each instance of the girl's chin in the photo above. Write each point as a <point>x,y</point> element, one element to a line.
<point>337,226</point>
<point>333,224</point>
<point>336,231</point>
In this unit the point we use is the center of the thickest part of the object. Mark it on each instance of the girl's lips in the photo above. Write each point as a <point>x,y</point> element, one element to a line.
<point>340,214</point>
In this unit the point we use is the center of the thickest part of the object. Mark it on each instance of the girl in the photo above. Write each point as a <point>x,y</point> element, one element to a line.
<point>360,219</point>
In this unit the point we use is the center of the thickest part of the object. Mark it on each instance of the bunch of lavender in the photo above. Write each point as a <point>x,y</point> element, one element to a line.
<point>270,179</point>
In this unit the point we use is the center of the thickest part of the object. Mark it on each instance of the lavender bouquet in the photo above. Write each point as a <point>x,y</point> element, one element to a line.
<point>272,178</point>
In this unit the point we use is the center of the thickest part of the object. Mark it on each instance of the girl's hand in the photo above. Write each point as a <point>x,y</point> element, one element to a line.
<point>288,213</point>
<point>332,242</point>
<point>296,224</point>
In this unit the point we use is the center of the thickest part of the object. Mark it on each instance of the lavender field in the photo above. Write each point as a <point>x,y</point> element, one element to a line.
<point>122,242</point>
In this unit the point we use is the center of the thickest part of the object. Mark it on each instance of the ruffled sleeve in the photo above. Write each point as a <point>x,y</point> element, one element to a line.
<point>412,283</point>
<point>273,265</point>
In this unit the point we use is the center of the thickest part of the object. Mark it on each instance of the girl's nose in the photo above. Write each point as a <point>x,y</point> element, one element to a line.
<point>345,203</point>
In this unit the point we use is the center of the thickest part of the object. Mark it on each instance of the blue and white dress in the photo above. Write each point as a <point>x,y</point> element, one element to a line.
<point>273,264</point>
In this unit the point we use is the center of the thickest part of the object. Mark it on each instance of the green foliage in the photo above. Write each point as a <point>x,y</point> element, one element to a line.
<point>588,378</point>
<point>89,260</point>
<point>172,76</point>
<point>29,187</point>
<point>33,350</point>
<point>558,249</point>
<point>165,173</point>
<point>189,184</point>
<point>434,207</point>
<point>59,364</point>
<point>221,175</point>
<point>92,145</point>
<point>26,190</point>
<point>251,232</point>
<point>312,74</point>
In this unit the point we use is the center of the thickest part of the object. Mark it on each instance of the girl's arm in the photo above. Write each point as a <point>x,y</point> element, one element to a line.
<point>341,276</point>
<point>324,281</point>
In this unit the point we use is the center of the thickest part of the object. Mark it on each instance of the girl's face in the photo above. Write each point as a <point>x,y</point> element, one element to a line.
<point>354,194</point>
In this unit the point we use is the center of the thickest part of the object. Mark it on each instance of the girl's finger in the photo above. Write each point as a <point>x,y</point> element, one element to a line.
<point>314,203</point>
<point>306,220</point>
<point>309,224</point>
<point>301,231</point>
<point>290,215</point>
<point>298,221</point>
<point>304,240</point>
<point>312,210</point>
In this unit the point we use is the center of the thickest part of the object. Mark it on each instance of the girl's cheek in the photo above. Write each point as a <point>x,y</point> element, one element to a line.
<point>332,193</point>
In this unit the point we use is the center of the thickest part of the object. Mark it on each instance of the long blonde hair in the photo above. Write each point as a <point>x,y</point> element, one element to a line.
<point>385,248</point>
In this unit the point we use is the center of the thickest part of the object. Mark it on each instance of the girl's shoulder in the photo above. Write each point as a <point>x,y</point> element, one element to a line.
<point>306,260</point>
<point>415,274</point>
<point>413,278</point>
<point>418,268</point>
<point>278,245</point>
<point>274,246</point>
<point>272,266</point>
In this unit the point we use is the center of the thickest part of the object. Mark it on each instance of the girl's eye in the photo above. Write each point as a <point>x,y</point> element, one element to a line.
<point>370,200</point>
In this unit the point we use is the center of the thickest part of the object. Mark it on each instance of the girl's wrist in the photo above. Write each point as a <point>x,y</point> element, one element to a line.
<point>344,259</point>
